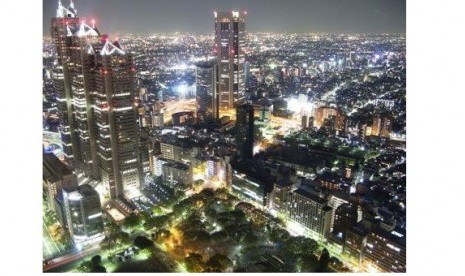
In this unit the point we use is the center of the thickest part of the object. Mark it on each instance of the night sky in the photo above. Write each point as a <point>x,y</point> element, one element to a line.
<point>165,16</point>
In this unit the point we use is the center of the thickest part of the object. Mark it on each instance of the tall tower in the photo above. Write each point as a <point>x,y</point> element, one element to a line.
<point>206,92</point>
<point>95,83</point>
<point>245,130</point>
<point>229,43</point>
<point>81,71</point>
<point>66,20</point>
<point>115,114</point>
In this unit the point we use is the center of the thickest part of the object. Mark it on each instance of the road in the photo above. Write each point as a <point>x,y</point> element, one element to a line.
<point>58,262</point>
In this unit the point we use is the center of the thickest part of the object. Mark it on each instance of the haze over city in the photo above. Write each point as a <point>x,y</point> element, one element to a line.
<point>167,16</point>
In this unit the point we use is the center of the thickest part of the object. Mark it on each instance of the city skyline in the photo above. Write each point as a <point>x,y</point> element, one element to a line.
<point>303,170</point>
<point>300,16</point>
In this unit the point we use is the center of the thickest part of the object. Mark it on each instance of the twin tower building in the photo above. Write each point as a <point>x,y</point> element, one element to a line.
<point>94,80</point>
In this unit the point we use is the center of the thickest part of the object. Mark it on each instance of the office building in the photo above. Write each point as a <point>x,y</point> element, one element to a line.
<point>311,212</point>
<point>65,20</point>
<point>56,177</point>
<point>229,43</point>
<point>95,84</point>
<point>177,175</point>
<point>355,242</point>
<point>116,120</point>
<point>334,116</point>
<point>83,214</point>
<point>158,120</point>
<point>385,250</point>
<point>382,126</point>
<point>345,217</point>
<point>245,130</point>
<point>206,93</point>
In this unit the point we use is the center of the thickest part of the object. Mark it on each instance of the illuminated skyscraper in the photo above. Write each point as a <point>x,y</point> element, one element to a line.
<point>229,43</point>
<point>65,20</point>
<point>95,83</point>
<point>207,96</point>
<point>116,120</point>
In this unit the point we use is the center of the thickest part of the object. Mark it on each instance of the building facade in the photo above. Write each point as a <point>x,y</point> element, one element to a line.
<point>206,90</point>
<point>229,43</point>
<point>83,214</point>
<point>95,83</point>
<point>245,130</point>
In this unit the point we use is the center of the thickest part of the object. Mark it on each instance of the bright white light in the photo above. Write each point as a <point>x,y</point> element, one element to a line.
<point>295,228</point>
<point>299,106</point>
<point>353,189</point>
<point>304,65</point>
<point>182,88</point>
<point>256,149</point>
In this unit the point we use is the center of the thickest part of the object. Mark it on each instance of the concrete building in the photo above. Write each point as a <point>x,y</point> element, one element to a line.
<point>207,89</point>
<point>83,214</point>
<point>229,43</point>
<point>177,175</point>
<point>386,250</point>
<point>311,212</point>
<point>56,176</point>
<point>245,130</point>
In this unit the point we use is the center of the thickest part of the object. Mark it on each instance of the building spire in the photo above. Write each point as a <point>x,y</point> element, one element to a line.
<point>72,8</point>
<point>60,10</point>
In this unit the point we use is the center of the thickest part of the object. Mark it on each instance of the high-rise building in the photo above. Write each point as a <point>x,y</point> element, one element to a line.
<point>116,120</point>
<point>386,250</point>
<point>83,214</point>
<point>310,211</point>
<point>344,218</point>
<point>81,75</point>
<point>355,242</point>
<point>229,43</point>
<point>245,130</point>
<point>206,94</point>
<point>95,83</point>
<point>65,20</point>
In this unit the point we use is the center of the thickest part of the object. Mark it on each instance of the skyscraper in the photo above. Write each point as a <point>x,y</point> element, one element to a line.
<point>229,43</point>
<point>65,20</point>
<point>207,96</point>
<point>81,71</point>
<point>116,120</point>
<point>95,83</point>
<point>245,130</point>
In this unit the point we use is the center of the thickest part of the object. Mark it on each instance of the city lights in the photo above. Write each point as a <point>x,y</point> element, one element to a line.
<point>223,150</point>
